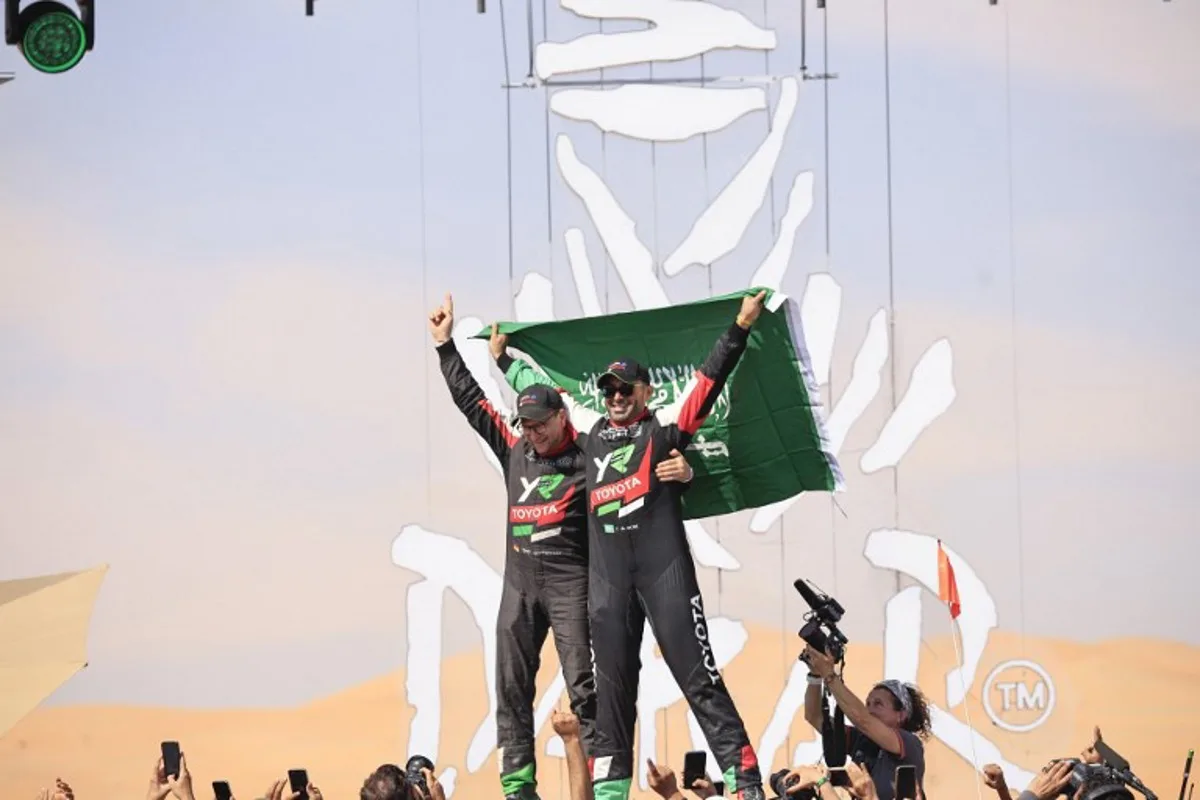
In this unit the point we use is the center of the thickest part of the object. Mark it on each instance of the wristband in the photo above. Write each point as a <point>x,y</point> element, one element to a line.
<point>815,680</point>
<point>821,781</point>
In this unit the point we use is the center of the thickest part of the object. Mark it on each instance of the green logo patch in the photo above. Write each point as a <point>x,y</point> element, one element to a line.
<point>620,458</point>
<point>547,485</point>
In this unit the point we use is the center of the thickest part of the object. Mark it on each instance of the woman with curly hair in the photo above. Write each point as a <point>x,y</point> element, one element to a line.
<point>889,729</point>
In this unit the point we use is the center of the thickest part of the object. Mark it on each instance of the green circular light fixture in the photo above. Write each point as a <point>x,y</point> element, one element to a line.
<point>54,39</point>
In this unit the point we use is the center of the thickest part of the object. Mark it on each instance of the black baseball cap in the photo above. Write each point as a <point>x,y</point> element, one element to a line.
<point>538,403</point>
<point>625,370</point>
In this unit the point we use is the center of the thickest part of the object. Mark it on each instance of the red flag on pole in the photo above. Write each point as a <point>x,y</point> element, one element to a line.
<point>947,585</point>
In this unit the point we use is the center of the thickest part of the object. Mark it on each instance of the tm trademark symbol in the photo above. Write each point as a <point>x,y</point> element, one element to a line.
<point>1018,695</point>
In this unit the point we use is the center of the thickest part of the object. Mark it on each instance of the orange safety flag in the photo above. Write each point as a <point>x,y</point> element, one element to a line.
<point>947,585</point>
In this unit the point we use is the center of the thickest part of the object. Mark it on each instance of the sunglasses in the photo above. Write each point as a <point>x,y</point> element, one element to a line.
<point>533,426</point>
<point>520,423</point>
<point>611,390</point>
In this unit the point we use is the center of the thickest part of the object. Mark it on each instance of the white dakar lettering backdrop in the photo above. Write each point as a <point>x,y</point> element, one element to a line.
<point>683,29</point>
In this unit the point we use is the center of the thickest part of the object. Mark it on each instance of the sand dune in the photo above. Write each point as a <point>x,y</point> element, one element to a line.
<point>1144,694</point>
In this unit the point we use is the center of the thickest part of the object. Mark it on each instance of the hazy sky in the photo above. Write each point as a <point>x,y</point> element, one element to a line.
<point>214,356</point>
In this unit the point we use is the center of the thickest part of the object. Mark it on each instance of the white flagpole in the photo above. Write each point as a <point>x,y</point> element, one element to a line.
<point>966,705</point>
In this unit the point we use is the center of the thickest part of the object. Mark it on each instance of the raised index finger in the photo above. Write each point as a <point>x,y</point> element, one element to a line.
<point>449,303</point>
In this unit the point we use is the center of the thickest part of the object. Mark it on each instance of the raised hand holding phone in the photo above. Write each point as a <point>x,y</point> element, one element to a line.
<point>694,764</point>
<point>298,778</point>
<point>906,782</point>
<point>170,756</point>
<point>170,776</point>
<point>839,777</point>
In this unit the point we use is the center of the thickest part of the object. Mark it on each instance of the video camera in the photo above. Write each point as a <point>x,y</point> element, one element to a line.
<point>820,630</point>
<point>779,785</point>
<point>821,633</point>
<point>1111,779</point>
<point>414,776</point>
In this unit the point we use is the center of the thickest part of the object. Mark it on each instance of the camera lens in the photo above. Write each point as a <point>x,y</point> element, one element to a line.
<point>412,771</point>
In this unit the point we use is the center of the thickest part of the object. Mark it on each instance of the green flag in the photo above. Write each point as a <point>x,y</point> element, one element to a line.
<point>764,440</point>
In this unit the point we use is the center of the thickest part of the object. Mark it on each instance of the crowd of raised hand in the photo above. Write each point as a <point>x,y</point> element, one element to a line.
<point>387,782</point>
<point>854,782</point>
<point>391,782</point>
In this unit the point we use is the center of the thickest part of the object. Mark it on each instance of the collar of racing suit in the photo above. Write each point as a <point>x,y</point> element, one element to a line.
<point>640,417</point>
<point>569,437</point>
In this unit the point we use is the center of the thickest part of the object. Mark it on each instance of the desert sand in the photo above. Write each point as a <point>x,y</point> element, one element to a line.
<point>1144,694</point>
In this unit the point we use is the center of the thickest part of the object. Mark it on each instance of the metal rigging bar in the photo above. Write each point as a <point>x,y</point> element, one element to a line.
<point>804,75</point>
<point>534,83</point>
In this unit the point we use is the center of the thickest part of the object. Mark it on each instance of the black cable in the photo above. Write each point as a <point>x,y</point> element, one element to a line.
<point>528,33</point>
<point>708,268</point>
<point>828,251</point>
<point>825,86</point>
<point>887,100</point>
<point>604,173</point>
<point>784,639</point>
<point>1012,271</point>
<point>549,193</point>
<point>654,192</point>
<point>771,180</point>
<point>803,37</point>
<point>508,155</point>
<point>424,259</point>
<point>704,151</point>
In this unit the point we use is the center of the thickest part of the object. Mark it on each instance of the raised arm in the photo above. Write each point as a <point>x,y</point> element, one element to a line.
<point>696,401</point>
<point>520,374</point>
<point>812,703</point>
<point>468,396</point>
<point>821,665</point>
<point>579,778</point>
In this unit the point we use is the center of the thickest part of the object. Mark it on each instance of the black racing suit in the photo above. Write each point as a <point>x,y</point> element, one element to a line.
<point>642,568</point>
<point>545,578</point>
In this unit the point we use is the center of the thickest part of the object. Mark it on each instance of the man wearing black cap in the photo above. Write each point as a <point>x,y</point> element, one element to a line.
<point>546,563</point>
<point>641,566</point>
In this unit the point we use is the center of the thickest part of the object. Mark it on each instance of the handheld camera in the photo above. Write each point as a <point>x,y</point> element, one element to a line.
<point>820,630</point>
<point>1111,779</point>
<point>780,785</point>
<point>413,774</point>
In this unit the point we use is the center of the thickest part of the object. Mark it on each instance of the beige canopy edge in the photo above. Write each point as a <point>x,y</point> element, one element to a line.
<point>43,637</point>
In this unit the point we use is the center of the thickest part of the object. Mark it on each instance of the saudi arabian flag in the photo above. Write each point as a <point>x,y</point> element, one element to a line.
<point>764,440</point>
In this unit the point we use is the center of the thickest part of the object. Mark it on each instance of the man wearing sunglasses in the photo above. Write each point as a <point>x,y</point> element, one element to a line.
<point>546,554</point>
<point>641,567</point>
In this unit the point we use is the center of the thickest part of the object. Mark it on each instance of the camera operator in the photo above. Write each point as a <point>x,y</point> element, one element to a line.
<point>1090,755</point>
<point>391,782</point>
<point>888,730</point>
<point>813,779</point>
<point>1051,782</point>
<point>808,780</point>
